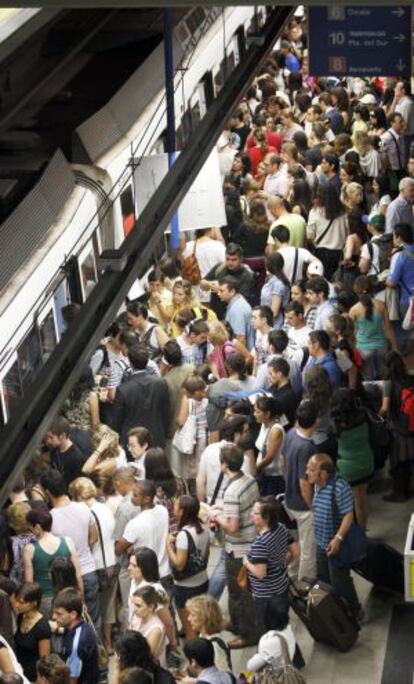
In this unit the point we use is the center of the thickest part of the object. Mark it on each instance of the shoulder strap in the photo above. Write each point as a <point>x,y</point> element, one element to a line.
<point>320,238</point>
<point>218,640</point>
<point>98,525</point>
<point>370,247</point>
<point>146,336</point>
<point>295,266</point>
<point>285,650</point>
<point>195,245</point>
<point>217,488</point>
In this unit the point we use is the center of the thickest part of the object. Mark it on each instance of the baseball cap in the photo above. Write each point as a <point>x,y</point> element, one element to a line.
<point>316,268</point>
<point>376,219</point>
<point>368,99</point>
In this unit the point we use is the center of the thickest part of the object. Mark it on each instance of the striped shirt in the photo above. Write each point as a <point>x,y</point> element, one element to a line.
<point>270,548</point>
<point>325,525</point>
<point>240,495</point>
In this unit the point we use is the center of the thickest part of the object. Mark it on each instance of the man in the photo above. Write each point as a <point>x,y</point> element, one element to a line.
<point>400,210</point>
<point>291,61</point>
<point>201,667</point>
<point>123,481</point>
<point>297,330</point>
<point>211,483</point>
<point>402,265</point>
<point>312,116</point>
<point>276,181</point>
<point>148,528</point>
<point>330,171</point>
<point>151,335</point>
<point>174,372</point>
<point>317,141</point>
<point>238,312</point>
<point>234,267</point>
<point>333,114</point>
<point>404,105</point>
<point>66,456</point>
<point>240,127</point>
<point>234,518</point>
<point>393,145</point>
<point>320,354</point>
<point>289,125</point>
<point>75,520</point>
<point>143,400</point>
<point>375,253</point>
<point>80,649</point>
<point>331,529</point>
<point>317,292</point>
<point>294,258</point>
<point>278,348</point>
<point>297,450</point>
<point>293,222</point>
<point>281,390</point>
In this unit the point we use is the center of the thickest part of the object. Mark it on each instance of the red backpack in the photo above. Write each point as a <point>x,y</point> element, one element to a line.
<point>407,406</point>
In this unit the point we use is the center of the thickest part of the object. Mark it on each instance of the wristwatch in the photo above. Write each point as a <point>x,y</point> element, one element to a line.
<point>340,537</point>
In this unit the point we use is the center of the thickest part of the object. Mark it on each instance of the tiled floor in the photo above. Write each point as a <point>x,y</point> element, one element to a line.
<point>364,663</point>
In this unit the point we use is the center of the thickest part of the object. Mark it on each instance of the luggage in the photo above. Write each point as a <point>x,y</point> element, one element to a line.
<point>383,566</point>
<point>325,615</point>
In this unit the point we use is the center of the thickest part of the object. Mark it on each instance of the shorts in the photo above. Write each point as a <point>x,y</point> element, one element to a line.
<point>183,594</point>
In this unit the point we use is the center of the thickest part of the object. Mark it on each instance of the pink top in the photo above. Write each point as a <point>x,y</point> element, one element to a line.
<point>218,357</point>
<point>145,628</point>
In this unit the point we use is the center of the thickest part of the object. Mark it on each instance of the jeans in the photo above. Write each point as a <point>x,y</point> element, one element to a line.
<point>241,607</point>
<point>307,561</point>
<point>339,578</point>
<point>91,595</point>
<point>217,582</point>
<point>124,586</point>
<point>373,359</point>
<point>271,612</point>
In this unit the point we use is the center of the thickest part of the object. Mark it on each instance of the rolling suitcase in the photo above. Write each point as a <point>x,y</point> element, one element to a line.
<point>383,566</point>
<point>325,615</point>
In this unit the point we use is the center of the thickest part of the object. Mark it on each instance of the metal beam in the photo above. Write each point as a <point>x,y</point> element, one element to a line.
<point>19,438</point>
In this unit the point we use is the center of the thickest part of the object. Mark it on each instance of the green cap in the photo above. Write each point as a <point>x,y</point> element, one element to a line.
<point>377,221</point>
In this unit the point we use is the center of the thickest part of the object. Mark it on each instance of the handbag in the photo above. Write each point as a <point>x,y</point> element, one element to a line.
<point>190,269</point>
<point>287,674</point>
<point>185,437</point>
<point>105,575</point>
<point>196,562</point>
<point>408,322</point>
<point>242,579</point>
<point>354,545</point>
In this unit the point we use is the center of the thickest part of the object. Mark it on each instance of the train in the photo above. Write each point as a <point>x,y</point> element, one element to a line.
<point>51,243</point>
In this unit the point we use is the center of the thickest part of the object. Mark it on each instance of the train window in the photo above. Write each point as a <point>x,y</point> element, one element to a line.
<point>87,266</point>
<point>231,63</point>
<point>179,138</point>
<point>12,388</point>
<point>195,113</point>
<point>48,337</point>
<point>219,78</point>
<point>128,210</point>
<point>73,280</point>
<point>208,88</point>
<point>186,125</point>
<point>29,356</point>
<point>61,298</point>
<point>241,42</point>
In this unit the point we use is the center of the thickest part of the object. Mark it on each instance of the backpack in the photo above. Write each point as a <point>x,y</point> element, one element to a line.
<point>407,406</point>
<point>105,366</point>
<point>222,644</point>
<point>190,269</point>
<point>196,562</point>
<point>384,244</point>
<point>155,353</point>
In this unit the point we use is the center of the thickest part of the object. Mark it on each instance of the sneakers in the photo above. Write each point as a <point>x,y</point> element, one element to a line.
<point>396,497</point>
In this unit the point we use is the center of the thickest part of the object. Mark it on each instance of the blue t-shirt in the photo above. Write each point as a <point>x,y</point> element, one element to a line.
<point>239,315</point>
<point>327,522</point>
<point>274,286</point>
<point>292,63</point>
<point>80,651</point>
<point>330,364</point>
<point>297,451</point>
<point>402,273</point>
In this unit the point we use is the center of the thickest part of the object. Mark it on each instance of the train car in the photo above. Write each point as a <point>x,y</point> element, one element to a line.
<point>52,241</point>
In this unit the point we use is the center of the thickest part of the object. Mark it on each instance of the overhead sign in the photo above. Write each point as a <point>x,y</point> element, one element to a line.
<point>360,41</point>
<point>203,205</point>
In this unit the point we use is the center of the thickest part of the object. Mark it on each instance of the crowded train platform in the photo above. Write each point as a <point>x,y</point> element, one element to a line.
<point>225,493</point>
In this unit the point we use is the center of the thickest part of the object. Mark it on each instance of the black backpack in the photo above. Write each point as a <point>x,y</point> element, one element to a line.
<point>384,244</point>
<point>155,353</point>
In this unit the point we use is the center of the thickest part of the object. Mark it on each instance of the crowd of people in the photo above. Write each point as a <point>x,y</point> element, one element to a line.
<point>233,407</point>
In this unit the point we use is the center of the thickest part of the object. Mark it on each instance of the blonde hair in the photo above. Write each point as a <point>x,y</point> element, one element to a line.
<point>361,141</point>
<point>82,488</point>
<point>352,189</point>
<point>16,514</point>
<point>113,450</point>
<point>217,332</point>
<point>208,612</point>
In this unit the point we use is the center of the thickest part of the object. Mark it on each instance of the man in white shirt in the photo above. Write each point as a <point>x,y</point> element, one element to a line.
<point>276,182</point>
<point>298,331</point>
<point>317,292</point>
<point>403,104</point>
<point>149,528</point>
<point>370,261</point>
<point>294,257</point>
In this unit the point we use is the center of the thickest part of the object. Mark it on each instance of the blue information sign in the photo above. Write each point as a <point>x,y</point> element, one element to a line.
<point>360,41</point>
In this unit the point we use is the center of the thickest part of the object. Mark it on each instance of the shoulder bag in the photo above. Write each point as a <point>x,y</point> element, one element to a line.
<point>185,437</point>
<point>190,269</point>
<point>242,579</point>
<point>287,674</point>
<point>196,562</point>
<point>105,575</point>
<point>354,546</point>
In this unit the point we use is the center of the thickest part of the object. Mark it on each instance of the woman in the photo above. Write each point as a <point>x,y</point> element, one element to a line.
<point>206,619</point>
<point>108,455</point>
<point>38,556</point>
<point>208,249</point>
<point>301,199</point>
<point>83,489</point>
<point>356,238</point>
<point>144,571</point>
<point>81,408</point>
<point>349,173</point>
<point>298,294</point>
<point>266,564</point>
<point>269,468</point>
<point>194,401</point>
<point>146,621</point>
<point>239,346</point>
<point>188,553</point>
<point>360,119</point>
<point>63,574</point>
<point>158,470</point>
<point>378,122</point>
<point>132,650</point>
<point>369,158</point>
<point>32,638</point>
<point>222,347</point>
<point>275,292</point>
<point>318,389</point>
<point>17,516</point>
<point>260,149</point>
<point>328,228</point>
<point>399,391</point>
<point>355,456</point>
<point>252,234</point>
<point>341,331</point>
<point>381,194</point>
<point>369,317</point>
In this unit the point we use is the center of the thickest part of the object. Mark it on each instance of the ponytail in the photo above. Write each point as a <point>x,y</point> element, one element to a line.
<point>368,304</point>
